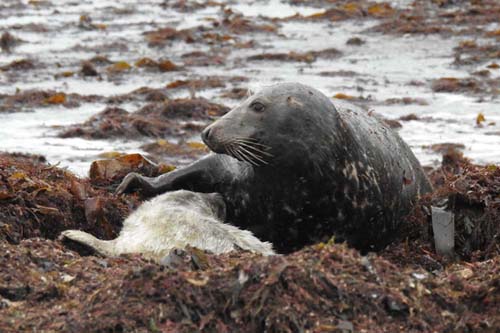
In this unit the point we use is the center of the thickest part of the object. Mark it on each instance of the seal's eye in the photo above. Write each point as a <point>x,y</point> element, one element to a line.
<point>257,106</point>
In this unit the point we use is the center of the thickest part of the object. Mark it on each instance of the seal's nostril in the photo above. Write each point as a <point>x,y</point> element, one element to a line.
<point>205,134</point>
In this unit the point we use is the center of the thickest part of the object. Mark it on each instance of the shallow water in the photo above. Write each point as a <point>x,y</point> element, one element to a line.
<point>385,66</point>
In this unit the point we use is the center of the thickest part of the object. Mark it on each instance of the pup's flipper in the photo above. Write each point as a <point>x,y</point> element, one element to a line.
<point>106,248</point>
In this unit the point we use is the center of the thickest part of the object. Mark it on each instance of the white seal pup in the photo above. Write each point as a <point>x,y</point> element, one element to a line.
<point>175,220</point>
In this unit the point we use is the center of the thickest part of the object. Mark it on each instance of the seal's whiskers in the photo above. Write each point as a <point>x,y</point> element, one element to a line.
<point>247,150</point>
<point>252,155</point>
<point>253,142</point>
<point>253,147</point>
<point>238,154</point>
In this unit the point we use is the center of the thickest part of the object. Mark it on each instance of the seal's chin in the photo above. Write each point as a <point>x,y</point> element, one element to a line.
<point>229,150</point>
<point>215,147</point>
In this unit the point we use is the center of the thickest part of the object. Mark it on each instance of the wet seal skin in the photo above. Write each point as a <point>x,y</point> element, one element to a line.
<point>295,169</point>
<point>174,220</point>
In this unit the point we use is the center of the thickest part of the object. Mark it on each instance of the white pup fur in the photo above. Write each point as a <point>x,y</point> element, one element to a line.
<point>175,220</point>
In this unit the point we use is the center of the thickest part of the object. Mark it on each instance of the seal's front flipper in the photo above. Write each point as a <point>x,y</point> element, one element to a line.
<point>105,248</point>
<point>204,175</point>
<point>134,181</point>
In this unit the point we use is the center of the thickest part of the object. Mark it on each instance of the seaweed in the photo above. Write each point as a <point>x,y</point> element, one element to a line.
<point>46,285</point>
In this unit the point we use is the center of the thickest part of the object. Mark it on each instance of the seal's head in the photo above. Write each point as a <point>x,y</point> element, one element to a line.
<point>278,126</point>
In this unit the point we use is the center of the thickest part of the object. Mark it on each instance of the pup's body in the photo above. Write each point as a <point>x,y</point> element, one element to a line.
<point>175,220</point>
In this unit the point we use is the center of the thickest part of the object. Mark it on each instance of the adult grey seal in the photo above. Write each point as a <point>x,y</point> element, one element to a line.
<point>295,169</point>
<point>175,220</point>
